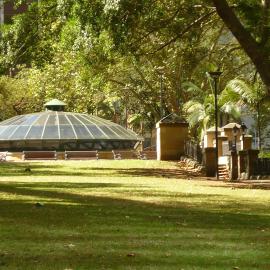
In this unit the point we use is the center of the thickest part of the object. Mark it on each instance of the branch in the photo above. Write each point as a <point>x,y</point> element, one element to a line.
<point>34,34</point>
<point>199,20</point>
<point>231,50</point>
<point>142,98</point>
<point>117,82</point>
<point>161,25</point>
<point>143,77</point>
<point>215,42</point>
<point>247,42</point>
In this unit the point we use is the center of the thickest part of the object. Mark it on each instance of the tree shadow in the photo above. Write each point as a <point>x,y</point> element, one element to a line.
<point>86,231</point>
<point>45,190</point>
<point>39,169</point>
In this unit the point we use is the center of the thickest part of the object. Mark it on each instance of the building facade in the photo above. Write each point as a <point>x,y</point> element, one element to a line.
<point>1,11</point>
<point>8,10</point>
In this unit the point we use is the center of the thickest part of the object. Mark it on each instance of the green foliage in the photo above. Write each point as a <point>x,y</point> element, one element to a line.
<point>31,38</point>
<point>113,57</point>
<point>65,79</point>
<point>264,154</point>
<point>14,98</point>
<point>255,100</point>
<point>200,110</point>
<point>251,13</point>
<point>241,90</point>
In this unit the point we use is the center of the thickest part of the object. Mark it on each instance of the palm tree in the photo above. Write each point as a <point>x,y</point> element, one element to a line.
<point>254,97</point>
<point>200,111</point>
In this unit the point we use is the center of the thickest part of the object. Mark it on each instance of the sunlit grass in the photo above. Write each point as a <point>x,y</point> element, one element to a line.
<point>128,215</point>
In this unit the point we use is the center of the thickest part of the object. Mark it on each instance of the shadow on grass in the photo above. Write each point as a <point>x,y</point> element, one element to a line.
<point>38,169</point>
<point>42,191</point>
<point>64,169</point>
<point>82,231</point>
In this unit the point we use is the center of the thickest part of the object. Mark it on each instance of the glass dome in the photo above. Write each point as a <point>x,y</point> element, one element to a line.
<point>58,130</point>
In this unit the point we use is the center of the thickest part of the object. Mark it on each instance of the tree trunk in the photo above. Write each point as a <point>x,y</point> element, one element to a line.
<point>256,53</point>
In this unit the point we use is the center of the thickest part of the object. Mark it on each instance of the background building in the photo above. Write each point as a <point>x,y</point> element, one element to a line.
<point>8,10</point>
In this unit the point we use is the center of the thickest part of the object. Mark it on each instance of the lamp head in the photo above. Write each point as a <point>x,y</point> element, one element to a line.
<point>215,74</point>
<point>235,130</point>
<point>243,128</point>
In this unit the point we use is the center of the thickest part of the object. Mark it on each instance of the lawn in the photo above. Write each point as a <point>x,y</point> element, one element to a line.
<point>128,215</point>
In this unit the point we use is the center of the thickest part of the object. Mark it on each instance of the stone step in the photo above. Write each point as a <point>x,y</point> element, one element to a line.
<point>223,172</point>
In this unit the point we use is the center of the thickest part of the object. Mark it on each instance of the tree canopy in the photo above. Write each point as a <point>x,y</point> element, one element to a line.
<point>130,60</point>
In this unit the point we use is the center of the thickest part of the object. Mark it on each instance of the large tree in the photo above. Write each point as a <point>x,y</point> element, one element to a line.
<point>253,37</point>
<point>110,50</point>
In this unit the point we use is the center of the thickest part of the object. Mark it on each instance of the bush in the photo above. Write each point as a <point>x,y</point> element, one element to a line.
<point>264,154</point>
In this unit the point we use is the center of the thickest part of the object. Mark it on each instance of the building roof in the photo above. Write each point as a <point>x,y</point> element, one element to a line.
<point>55,125</point>
<point>232,125</point>
<point>55,102</point>
<point>172,118</point>
<point>211,129</point>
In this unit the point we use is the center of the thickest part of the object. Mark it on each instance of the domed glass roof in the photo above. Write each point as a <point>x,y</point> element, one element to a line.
<point>55,125</point>
<point>63,130</point>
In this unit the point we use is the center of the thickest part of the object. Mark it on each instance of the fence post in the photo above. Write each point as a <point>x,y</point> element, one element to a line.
<point>252,157</point>
<point>199,153</point>
<point>242,166</point>
<point>233,166</point>
<point>209,160</point>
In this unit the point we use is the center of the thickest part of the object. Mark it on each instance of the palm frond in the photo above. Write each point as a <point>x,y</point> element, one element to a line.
<point>191,105</point>
<point>193,89</point>
<point>228,95</point>
<point>243,89</point>
<point>231,109</point>
<point>195,112</point>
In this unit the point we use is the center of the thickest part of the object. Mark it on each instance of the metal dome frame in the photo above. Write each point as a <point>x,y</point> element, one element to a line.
<point>58,130</point>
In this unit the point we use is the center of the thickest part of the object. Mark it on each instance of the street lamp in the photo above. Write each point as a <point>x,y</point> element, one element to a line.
<point>215,75</point>
<point>244,130</point>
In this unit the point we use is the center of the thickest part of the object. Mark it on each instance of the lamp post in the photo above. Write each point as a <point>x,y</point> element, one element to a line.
<point>161,95</point>
<point>215,75</point>
<point>244,130</point>
<point>126,106</point>
<point>234,132</point>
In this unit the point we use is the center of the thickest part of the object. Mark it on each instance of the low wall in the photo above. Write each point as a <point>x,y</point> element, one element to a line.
<point>17,156</point>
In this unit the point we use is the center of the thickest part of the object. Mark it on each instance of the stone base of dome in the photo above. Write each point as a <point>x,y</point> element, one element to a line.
<point>82,145</point>
<point>18,156</point>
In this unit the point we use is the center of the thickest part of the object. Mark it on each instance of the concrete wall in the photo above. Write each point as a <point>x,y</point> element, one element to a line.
<point>209,139</point>
<point>229,133</point>
<point>246,142</point>
<point>171,139</point>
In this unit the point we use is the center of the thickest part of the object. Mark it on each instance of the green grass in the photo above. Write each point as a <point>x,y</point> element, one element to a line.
<point>128,215</point>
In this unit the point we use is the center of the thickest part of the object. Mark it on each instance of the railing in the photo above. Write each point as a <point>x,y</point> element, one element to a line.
<point>193,150</point>
<point>262,166</point>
